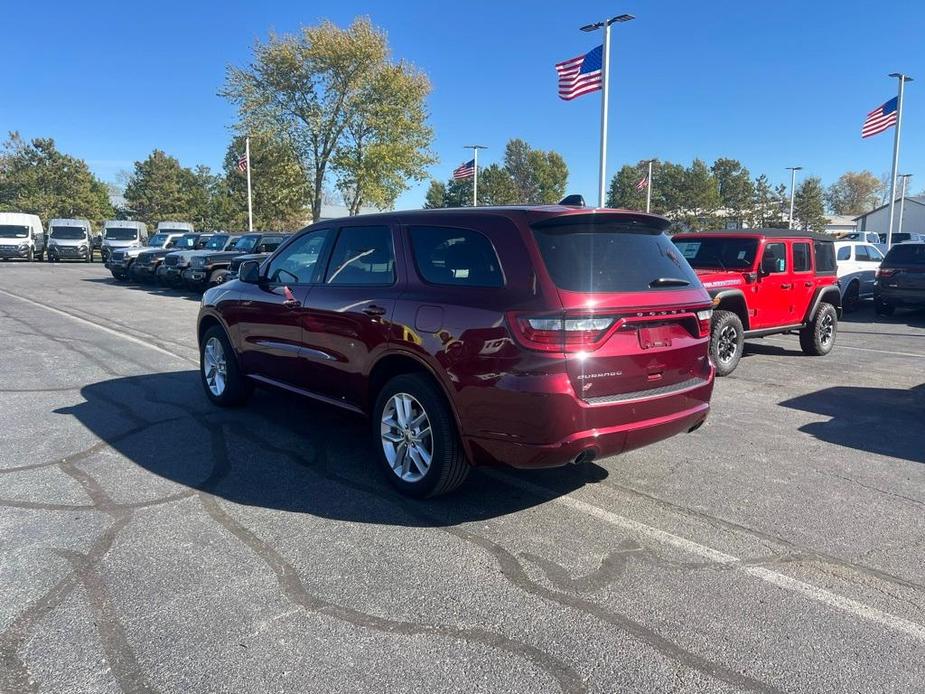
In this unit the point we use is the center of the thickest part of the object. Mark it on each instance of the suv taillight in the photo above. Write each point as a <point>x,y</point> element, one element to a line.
<point>560,332</point>
<point>704,320</point>
<point>885,272</point>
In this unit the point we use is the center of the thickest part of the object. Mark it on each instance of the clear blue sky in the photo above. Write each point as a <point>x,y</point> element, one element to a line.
<point>772,84</point>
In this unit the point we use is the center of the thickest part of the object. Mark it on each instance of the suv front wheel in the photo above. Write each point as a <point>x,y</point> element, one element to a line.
<point>727,340</point>
<point>416,439</point>
<point>818,337</point>
<point>222,380</point>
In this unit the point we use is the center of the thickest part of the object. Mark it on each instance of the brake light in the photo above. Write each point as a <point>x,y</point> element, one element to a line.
<point>885,272</point>
<point>562,333</point>
<point>704,321</point>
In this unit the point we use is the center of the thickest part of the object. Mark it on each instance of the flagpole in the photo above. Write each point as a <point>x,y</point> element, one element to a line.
<point>250,206</point>
<point>902,199</point>
<point>475,172</point>
<point>649,188</point>
<point>899,122</point>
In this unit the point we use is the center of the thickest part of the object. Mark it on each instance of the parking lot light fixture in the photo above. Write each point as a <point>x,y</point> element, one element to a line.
<point>793,179</point>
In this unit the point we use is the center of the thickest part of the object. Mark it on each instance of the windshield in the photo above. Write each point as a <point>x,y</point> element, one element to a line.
<point>246,244</point>
<point>217,243</point>
<point>908,254</point>
<point>611,257</point>
<point>158,240</point>
<point>68,233</point>
<point>120,233</point>
<point>186,242</point>
<point>719,253</point>
<point>13,231</point>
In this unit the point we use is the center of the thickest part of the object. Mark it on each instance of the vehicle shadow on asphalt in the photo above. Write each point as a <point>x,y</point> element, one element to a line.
<point>288,453</point>
<point>885,421</point>
<point>914,318</point>
<point>155,289</point>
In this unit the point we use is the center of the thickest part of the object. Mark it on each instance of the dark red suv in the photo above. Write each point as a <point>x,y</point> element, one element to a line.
<point>529,336</point>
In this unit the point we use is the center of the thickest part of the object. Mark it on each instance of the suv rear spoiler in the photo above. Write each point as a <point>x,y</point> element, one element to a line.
<point>632,222</point>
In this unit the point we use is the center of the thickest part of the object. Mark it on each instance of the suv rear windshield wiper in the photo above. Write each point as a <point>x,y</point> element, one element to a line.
<point>669,282</point>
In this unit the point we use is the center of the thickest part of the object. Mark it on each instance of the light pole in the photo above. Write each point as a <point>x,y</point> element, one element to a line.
<point>899,124</point>
<point>902,199</point>
<point>793,179</point>
<point>649,186</point>
<point>605,93</point>
<point>475,171</point>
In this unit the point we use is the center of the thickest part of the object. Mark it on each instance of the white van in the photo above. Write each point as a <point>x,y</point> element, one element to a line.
<point>21,236</point>
<point>122,233</point>
<point>175,228</point>
<point>70,239</point>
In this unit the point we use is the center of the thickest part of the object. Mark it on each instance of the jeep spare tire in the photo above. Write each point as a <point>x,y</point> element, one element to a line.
<point>727,340</point>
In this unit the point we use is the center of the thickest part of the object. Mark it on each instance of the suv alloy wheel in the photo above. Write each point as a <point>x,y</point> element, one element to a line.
<point>416,439</point>
<point>223,381</point>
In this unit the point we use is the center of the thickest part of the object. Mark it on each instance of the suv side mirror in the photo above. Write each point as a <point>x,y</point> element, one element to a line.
<point>249,272</point>
<point>768,265</point>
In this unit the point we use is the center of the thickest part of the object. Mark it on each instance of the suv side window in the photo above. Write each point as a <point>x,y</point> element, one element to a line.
<point>874,253</point>
<point>455,257</point>
<point>860,253</point>
<point>298,263</point>
<point>844,253</point>
<point>802,261</point>
<point>362,255</point>
<point>774,259</point>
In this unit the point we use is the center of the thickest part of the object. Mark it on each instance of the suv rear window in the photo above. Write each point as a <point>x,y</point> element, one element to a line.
<point>907,254</point>
<point>825,257</point>
<point>611,257</point>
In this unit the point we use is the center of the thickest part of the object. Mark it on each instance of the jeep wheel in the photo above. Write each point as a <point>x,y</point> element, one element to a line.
<point>818,338</point>
<point>214,279</point>
<point>852,297</point>
<point>222,380</point>
<point>727,340</point>
<point>883,309</point>
<point>415,438</point>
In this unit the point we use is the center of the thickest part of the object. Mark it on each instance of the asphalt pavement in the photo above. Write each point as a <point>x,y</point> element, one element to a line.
<point>150,542</point>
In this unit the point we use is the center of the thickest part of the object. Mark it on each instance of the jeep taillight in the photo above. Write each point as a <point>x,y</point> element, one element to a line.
<point>704,319</point>
<point>561,333</point>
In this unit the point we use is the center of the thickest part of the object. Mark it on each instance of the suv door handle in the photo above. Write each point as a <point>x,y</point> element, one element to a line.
<point>786,286</point>
<point>292,303</point>
<point>373,310</point>
<point>807,284</point>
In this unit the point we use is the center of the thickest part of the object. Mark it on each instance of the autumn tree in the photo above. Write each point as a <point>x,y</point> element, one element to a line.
<point>854,193</point>
<point>35,177</point>
<point>327,92</point>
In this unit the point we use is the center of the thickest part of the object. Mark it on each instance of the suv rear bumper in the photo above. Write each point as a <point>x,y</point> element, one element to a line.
<point>900,297</point>
<point>609,429</point>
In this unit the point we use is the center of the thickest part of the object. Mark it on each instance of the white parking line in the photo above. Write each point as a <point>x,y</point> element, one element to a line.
<point>812,592</point>
<point>839,345</point>
<point>124,336</point>
<point>780,580</point>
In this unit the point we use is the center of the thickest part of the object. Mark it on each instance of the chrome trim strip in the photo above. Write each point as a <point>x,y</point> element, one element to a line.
<point>672,389</point>
<point>307,393</point>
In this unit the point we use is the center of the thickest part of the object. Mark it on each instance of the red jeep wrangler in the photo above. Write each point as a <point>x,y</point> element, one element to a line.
<point>765,281</point>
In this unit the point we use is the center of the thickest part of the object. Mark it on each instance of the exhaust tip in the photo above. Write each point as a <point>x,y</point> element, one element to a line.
<point>696,426</point>
<point>586,456</point>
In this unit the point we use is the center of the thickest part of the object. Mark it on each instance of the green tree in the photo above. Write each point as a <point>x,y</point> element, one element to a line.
<point>699,197</point>
<point>496,186</point>
<point>736,191</point>
<point>279,190</point>
<point>38,179</point>
<point>854,193</point>
<point>458,193</point>
<point>538,176</point>
<point>623,191</point>
<point>436,195</point>
<point>808,205</point>
<point>160,189</point>
<point>319,91</point>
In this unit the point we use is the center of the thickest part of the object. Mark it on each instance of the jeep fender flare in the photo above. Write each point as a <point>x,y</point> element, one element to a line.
<point>830,294</point>
<point>732,300</point>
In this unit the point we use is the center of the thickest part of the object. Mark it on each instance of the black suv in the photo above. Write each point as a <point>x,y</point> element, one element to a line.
<point>203,270</point>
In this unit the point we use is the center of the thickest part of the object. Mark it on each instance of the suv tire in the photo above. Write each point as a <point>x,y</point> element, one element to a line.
<point>818,337</point>
<point>727,341</point>
<point>883,309</point>
<point>402,452</point>
<point>221,377</point>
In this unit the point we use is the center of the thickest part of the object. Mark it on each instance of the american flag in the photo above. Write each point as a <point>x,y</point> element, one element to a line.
<point>466,170</point>
<point>242,164</point>
<point>643,183</point>
<point>581,75</point>
<point>880,119</point>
